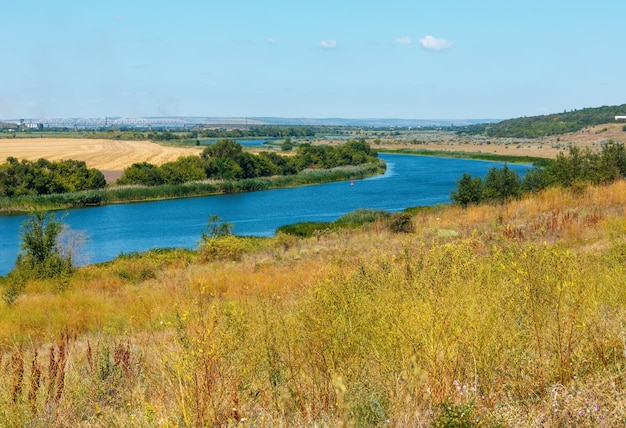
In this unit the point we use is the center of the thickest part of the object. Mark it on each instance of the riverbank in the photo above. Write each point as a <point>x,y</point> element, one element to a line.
<point>128,194</point>
<point>468,155</point>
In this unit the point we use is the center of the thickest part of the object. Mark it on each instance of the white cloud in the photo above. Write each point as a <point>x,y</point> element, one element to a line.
<point>270,41</point>
<point>434,44</point>
<point>404,40</point>
<point>328,44</point>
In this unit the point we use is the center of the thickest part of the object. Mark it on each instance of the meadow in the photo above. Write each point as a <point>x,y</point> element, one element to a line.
<point>491,315</point>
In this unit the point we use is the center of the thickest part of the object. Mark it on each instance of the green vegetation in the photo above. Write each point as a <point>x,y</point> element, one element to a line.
<point>226,160</point>
<point>396,222</point>
<point>191,137</point>
<point>553,124</point>
<point>351,220</point>
<point>482,316</point>
<point>571,170</point>
<point>20,178</point>
<point>41,257</point>
<point>472,155</point>
<point>222,168</point>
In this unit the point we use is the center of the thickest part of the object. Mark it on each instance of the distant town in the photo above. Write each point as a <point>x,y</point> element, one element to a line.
<point>221,122</point>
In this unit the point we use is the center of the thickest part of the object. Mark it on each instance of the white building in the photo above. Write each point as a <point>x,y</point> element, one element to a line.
<point>620,117</point>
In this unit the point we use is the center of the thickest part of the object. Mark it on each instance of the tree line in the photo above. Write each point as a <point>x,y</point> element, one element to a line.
<point>166,135</point>
<point>579,166</point>
<point>257,131</point>
<point>226,160</point>
<point>43,177</point>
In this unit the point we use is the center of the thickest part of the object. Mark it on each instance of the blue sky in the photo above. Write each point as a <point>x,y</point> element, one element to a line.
<point>351,59</point>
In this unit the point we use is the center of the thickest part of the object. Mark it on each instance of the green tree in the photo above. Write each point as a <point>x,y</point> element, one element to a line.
<point>468,191</point>
<point>223,168</point>
<point>40,253</point>
<point>223,149</point>
<point>182,170</point>
<point>216,228</point>
<point>44,177</point>
<point>287,145</point>
<point>535,179</point>
<point>40,256</point>
<point>142,173</point>
<point>501,184</point>
<point>612,163</point>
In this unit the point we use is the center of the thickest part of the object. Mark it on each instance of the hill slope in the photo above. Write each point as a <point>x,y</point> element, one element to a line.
<point>552,124</point>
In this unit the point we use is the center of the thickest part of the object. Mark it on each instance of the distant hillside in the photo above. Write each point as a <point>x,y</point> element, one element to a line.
<point>552,124</point>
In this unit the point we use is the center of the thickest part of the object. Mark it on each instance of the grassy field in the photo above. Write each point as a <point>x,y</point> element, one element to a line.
<point>506,315</point>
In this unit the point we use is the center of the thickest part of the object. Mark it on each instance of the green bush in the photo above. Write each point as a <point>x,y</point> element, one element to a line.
<point>41,256</point>
<point>401,223</point>
<point>361,217</point>
<point>228,247</point>
<point>305,229</point>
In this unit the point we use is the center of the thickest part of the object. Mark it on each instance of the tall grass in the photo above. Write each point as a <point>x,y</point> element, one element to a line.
<point>490,316</point>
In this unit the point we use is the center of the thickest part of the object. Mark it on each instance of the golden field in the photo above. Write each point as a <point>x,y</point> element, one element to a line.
<point>105,155</point>
<point>495,315</point>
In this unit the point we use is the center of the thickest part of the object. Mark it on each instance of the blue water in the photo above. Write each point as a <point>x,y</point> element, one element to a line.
<point>114,229</point>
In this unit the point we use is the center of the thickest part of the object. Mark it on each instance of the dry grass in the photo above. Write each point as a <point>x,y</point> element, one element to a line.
<point>106,155</point>
<point>493,315</point>
<point>546,147</point>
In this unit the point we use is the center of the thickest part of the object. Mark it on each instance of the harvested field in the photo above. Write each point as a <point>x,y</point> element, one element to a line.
<point>105,155</point>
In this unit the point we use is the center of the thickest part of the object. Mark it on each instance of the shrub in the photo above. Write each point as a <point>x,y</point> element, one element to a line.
<point>401,223</point>
<point>41,256</point>
<point>217,228</point>
<point>361,217</point>
<point>305,229</point>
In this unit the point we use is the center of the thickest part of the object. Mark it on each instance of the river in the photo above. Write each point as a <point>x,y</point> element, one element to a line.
<point>114,229</point>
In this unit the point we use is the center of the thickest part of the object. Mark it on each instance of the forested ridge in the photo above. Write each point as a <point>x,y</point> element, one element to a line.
<point>552,124</point>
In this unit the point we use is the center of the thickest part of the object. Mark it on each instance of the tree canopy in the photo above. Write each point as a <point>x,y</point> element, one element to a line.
<point>43,177</point>
<point>226,160</point>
